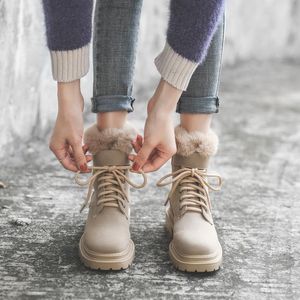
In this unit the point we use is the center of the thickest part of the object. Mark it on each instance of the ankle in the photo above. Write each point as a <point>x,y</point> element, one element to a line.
<point>115,119</point>
<point>196,122</point>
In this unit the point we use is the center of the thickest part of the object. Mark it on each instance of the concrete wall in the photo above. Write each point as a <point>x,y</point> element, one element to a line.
<point>262,29</point>
<point>257,29</point>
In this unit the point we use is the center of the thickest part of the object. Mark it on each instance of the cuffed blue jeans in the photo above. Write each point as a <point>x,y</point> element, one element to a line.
<point>116,26</point>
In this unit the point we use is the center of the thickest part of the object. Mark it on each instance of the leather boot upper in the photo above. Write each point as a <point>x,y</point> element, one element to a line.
<point>189,205</point>
<point>107,225</point>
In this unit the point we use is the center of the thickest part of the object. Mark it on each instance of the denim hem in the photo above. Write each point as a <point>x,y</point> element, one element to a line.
<point>112,103</point>
<point>198,105</point>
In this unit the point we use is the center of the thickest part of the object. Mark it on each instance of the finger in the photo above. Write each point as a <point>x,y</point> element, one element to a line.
<point>156,162</point>
<point>64,158</point>
<point>89,168</point>
<point>142,156</point>
<point>89,158</point>
<point>139,140</point>
<point>85,148</point>
<point>131,157</point>
<point>152,154</point>
<point>136,146</point>
<point>137,143</point>
<point>79,157</point>
<point>69,164</point>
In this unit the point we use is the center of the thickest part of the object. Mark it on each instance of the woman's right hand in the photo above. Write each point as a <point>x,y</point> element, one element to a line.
<point>66,139</point>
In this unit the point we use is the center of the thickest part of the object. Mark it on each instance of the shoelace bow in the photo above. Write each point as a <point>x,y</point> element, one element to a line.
<point>110,180</point>
<point>193,189</point>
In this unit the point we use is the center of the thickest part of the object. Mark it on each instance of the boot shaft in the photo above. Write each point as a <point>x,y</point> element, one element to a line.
<point>110,148</point>
<point>194,150</point>
<point>195,160</point>
<point>110,158</point>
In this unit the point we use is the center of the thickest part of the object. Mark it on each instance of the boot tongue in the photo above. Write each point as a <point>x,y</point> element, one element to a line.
<point>106,158</point>
<point>110,158</point>
<point>195,160</point>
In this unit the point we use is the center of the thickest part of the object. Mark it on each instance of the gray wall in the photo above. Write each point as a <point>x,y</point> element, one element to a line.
<point>257,29</point>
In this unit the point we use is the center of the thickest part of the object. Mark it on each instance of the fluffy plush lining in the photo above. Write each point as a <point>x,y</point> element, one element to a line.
<point>109,138</point>
<point>196,141</point>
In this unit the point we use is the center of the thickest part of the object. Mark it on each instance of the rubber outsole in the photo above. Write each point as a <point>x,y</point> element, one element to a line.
<point>194,263</point>
<point>107,262</point>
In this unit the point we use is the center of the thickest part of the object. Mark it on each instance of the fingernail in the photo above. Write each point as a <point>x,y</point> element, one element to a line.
<point>135,167</point>
<point>83,167</point>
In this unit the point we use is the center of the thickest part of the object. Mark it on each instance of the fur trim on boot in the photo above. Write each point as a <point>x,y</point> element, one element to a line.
<point>109,138</point>
<point>196,141</point>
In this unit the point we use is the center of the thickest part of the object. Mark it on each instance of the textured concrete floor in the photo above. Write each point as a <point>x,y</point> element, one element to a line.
<point>257,213</point>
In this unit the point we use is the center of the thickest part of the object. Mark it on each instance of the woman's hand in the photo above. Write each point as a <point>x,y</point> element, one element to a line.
<point>159,139</point>
<point>159,143</point>
<point>66,139</point>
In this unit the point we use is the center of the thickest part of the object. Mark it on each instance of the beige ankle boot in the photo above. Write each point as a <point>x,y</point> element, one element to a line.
<point>195,246</point>
<point>106,243</point>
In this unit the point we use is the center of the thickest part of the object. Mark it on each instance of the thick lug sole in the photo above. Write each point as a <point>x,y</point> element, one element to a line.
<point>192,263</point>
<point>111,261</point>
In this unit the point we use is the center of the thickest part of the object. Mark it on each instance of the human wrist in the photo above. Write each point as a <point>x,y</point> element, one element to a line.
<point>69,96</point>
<point>165,97</point>
<point>163,106</point>
<point>65,88</point>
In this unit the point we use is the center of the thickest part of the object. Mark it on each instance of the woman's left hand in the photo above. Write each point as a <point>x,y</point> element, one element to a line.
<point>159,139</point>
<point>158,145</point>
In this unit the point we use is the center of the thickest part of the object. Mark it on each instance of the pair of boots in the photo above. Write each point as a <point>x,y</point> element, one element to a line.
<point>106,243</point>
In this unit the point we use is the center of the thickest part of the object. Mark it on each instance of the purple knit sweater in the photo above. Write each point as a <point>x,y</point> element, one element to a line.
<point>192,24</point>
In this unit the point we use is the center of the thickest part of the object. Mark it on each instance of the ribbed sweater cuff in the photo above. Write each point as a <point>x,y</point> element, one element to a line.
<point>71,64</point>
<point>174,68</point>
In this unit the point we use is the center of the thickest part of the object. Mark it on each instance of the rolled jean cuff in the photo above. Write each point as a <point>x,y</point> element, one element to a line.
<point>112,103</point>
<point>198,105</point>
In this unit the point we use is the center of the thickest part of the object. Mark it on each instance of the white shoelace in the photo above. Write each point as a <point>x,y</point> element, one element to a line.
<point>110,180</point>
<point>194,188</point>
